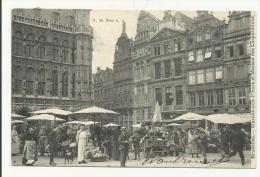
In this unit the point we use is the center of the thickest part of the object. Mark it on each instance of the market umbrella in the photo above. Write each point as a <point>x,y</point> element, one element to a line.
<point>137,125</point>
<point>173,125</point>
<point>226,118</point>
<point>111,125</point>
<point>157,117</point>
<point>95,112</point>
<point>54,111</point>
<point>44,117</point>
<point>17,116</point>
<point>190,117</point>
<point>17,121</point>
<point>82,122</point>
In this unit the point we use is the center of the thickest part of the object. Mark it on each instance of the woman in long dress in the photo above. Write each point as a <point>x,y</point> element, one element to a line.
<point>30,148</point>
<point>15,141</point>
<point>82,138</point>
<point>193,140</point>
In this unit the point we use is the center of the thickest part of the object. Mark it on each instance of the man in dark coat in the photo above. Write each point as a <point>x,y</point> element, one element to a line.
<point>237,142</point>
<point>225,139</point>
<point>53,143</point>
<point>123,141</point>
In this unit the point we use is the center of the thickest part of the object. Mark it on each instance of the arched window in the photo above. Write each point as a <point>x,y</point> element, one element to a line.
<point>41,82</point>
<point>18,43</point>
<point>55,83</point>
<point>18,80</point>
<point>30,79</point>
<point>41,47</point>
<point>73,85</point>
<point>29,45</point>
<point>65,51</point>
<point>55,49</point>
<point>65,84</point>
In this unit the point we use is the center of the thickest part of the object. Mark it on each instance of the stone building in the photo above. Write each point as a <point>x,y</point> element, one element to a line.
<point>237,62</point>
<point>147,25</point>
<point>51,59</point>
<point>205,55</point>
<point>123,80</point>
<point>103,88</point>
<point>168,82</point>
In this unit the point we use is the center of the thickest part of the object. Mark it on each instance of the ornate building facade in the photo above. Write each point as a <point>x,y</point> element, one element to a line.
<point>123,80</point>
<point>103,88</point>
<point>237,62</point>
<point>51,59</point>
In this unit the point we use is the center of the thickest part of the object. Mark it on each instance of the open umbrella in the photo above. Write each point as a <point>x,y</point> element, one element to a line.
<point>226,118</point>
<point>95,112</point>
<point>190,117</point>
<point>137,125</point>
<point>173,125</point>
<point>111,125</point>
<point>17,116</point>
<point>54,111</point>
<point>44,117</point>
<point>17,121</point>
<point>82,122</point>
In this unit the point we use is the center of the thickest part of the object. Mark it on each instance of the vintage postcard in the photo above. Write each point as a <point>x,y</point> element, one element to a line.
<point>133,88</point>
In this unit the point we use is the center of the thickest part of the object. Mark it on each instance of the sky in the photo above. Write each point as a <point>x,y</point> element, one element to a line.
<point>107,25</point>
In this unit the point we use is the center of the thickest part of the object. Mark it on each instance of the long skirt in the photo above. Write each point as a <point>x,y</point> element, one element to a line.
<point>15,145</point>
<point>193,147</point>
<point>30,152</point>
<point>81,149</point>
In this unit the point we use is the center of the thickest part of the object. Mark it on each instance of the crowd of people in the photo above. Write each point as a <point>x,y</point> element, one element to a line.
<point>117,142</point>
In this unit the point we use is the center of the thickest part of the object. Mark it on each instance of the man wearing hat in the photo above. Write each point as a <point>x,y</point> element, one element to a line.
<point>123,141</point>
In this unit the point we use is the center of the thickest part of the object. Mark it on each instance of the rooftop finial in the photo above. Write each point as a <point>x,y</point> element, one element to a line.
<point>123,27</point>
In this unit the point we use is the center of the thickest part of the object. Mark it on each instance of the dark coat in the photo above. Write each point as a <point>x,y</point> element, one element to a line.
<point>52,140</point>
<point>122,144</point>
<point>237,139</point>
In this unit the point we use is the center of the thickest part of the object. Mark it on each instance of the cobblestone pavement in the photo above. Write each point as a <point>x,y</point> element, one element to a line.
<point>164,161</point>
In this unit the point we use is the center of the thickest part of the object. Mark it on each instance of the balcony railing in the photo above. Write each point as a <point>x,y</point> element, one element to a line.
<point>53,25</point>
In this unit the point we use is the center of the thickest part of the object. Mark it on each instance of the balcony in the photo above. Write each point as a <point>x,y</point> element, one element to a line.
<point>54,25</point>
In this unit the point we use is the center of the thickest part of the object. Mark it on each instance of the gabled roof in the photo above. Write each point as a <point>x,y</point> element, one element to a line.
<point>166,32</point>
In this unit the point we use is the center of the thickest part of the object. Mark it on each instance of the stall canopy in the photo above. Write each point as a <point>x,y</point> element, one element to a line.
<point>229,118</point>
<point>54,111</point>
<point>137,125</point>
<point>82,122</point>
<point>111,125</point>
<point>190,117</point>
<point>44,117</point>
<point>16,116</point>
<point>17,121</point>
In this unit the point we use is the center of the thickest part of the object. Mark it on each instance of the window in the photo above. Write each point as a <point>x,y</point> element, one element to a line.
<point>192,99</point>
<point>218,52</point>
<point>178,67</point>
<point>241,72</point>
<point>191,56</point>
<point>207,53</point>
<point>242,96</point>
<point>18,44</point>
<point>209,75</point>
<point>29,46</point>
<point>168,96</point>
<point>73,92</point>
<point>65,51</point>
<point>219,94</point>
<point>179,95</point>
<point>200,76</point>
<point>241,49</point>
<point>55,83</point>
<point>210,98</point>
<point>207,35</point>
<point>167,68</point>
<point>199,37</point>
<point>157,50</point>
<point>41,47</point>
<point>30,79</point>
<point>18,80</point>
<point>55,49</point>
<point>231,51</point>
<point>199,56</point>
<point>219,72</point>
<point>157,70</point>
<point>201,98</point>
<point>158,95</point>
<point>230,73</point>
<point>41,82</point>
<point>232,96</point>
<point>166,47</point>
<point>177,45</point>
<point>192,77</point>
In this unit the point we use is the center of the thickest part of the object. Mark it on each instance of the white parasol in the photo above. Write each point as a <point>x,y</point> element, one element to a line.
<point>190,117</point>
<point>111,125</point>
<point>137,125</point>
<point>54,111</point>
<point>17,121</point>
<point>226,118</point>
<point>16,116</point>
<point>44,117</point>
<point>82,122</point>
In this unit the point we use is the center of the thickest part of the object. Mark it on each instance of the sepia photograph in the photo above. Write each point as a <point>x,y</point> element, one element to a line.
<point>133,88</point>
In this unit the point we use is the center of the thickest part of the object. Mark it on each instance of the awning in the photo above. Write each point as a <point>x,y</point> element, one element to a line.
<point>226,118</point>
